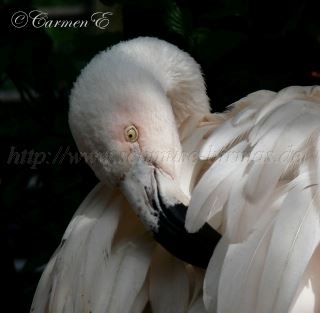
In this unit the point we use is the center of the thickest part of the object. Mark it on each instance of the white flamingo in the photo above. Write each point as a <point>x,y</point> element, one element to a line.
<point>168,169</point>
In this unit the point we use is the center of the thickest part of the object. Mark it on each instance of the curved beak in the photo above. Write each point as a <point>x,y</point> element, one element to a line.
<point>161,206</point>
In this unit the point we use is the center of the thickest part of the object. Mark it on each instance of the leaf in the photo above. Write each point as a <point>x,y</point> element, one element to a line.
<point>178,20</point>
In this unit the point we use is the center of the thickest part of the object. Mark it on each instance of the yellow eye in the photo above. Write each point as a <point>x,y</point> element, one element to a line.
<point>131,133</point>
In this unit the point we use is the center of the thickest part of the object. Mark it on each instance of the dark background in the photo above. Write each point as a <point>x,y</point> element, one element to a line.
<point>241,45</point>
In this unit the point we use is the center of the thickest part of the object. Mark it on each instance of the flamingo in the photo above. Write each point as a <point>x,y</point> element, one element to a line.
<point>195,211</point>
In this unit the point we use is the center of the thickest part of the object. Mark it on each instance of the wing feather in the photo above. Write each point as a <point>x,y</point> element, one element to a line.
<point>212,278</point>
<point>267,206</point>
<point>169,285</point>
<point>205,200</point>
<point>295,237</point>
<point>243,113</point>
<point>102,262</point>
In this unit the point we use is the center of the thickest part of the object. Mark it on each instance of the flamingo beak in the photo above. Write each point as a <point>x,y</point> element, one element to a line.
<point>154,197</point>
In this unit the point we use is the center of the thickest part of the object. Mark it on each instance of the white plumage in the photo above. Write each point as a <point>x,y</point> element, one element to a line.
<point>270,216</point>
<point>252,173</point>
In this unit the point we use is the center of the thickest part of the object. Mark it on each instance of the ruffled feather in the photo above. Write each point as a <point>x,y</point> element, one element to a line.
<point>266,206</point>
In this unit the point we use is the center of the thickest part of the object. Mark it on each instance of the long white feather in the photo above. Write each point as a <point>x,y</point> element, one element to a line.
<point>266,195</point>
<point>243,112</point>
<point>205,202</point>
<point>239,276</point>
<point>295,237</point>
<point>212,278</point>
<point>294,130</point>
<point>169,285</point>
<point>307,296</point>
<point>96,201</point>
<point>100,266</point>
<point>141,299</point>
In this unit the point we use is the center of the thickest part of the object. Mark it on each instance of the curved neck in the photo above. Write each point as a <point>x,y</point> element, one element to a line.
<point>177,73</point>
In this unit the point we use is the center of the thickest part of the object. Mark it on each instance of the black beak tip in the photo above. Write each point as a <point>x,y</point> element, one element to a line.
<point>194,248</point>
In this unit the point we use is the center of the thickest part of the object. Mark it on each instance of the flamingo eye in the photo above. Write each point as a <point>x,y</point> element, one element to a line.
<point>131,133</point>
